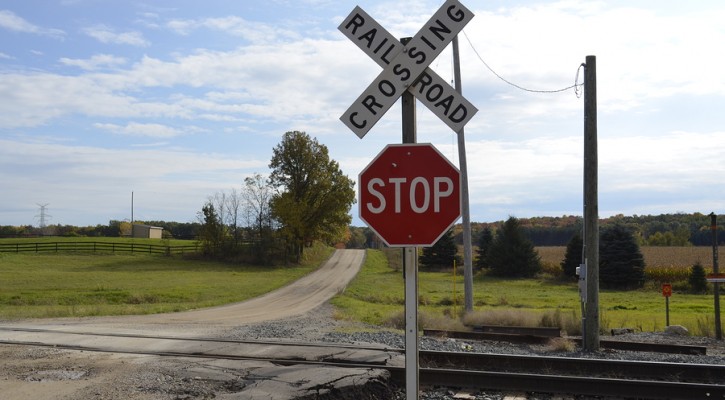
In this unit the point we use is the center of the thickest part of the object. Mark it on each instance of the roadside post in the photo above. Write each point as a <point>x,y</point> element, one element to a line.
<point>410,194</point>
<point>667,292</point>
<point>716,277</point>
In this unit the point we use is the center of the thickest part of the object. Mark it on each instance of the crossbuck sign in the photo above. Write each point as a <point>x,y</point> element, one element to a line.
<point>405,67</point>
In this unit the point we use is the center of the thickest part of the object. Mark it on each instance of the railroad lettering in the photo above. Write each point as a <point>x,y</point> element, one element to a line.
<point>358,125</point>
<point>369,102</point>
<point>457,16</point>
<point>441,97</point>
<point>369,37</point>
<point>386,88</point>
<point>414,54</point>
<point>400,70</point>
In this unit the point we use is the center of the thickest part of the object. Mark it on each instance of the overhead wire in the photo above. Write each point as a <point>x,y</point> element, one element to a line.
<point>576,86</point>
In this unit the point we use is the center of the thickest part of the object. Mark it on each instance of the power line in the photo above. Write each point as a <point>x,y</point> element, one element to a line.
<point>575,86</point>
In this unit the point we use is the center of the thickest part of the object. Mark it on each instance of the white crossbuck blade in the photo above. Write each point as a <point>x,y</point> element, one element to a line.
<point>406,68</point>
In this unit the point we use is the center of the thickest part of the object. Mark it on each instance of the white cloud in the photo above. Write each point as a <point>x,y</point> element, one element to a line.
<point>96,62</point>
<point>89,185</point>
<point>106,34</point>
<point>137,129</point>
<point>14,23</point>
<point>236,26</point>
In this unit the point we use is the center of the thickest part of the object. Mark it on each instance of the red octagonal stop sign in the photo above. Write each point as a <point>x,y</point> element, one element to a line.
<point>410,194</point>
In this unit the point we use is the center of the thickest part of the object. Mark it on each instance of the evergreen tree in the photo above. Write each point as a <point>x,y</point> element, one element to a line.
<point>621,265</point>
<point>441,254</point>
<point>484,243</point>
<point>511,254</point>
<point>697,279</point>
<point>573,256</point>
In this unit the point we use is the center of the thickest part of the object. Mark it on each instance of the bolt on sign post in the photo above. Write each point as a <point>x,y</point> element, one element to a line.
<point>667,293</point>
<point>394,196</point>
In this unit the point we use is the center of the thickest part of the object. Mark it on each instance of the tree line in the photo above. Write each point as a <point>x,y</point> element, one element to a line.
<point>678,229</point>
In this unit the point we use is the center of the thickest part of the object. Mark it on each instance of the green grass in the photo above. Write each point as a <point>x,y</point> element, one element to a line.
<point>84,284</point>
<point>377,296</point>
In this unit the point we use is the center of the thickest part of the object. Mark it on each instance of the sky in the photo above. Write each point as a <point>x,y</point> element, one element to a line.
<point>176,100</point>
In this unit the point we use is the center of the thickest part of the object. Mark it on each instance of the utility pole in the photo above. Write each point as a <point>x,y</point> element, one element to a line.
<point>465,205</point>
<point>590,336</point>
<point>716,272</point>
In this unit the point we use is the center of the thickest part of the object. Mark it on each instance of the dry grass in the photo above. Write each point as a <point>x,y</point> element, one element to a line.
<point>558,345</point>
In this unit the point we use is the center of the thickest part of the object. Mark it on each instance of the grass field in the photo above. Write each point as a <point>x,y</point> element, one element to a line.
<point>82,284</point>
<point>377,297</point>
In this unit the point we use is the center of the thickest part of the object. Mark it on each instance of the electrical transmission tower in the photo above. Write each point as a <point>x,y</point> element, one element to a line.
<point>43,216</point>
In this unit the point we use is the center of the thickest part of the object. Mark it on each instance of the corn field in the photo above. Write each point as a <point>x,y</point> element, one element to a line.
<point>663,264</point>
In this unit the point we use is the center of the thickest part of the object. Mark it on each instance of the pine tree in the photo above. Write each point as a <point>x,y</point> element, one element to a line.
<point>441,254</point>
<point>511,254</point>
<point>621,265</point>
<point>484,244</point>
<point>573,256</point>
<point>697,279</point>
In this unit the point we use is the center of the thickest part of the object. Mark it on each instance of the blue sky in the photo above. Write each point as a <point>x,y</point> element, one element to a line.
<point>178,100</point>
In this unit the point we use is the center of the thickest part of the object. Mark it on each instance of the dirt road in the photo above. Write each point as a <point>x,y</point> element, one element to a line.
<point>41,373</point>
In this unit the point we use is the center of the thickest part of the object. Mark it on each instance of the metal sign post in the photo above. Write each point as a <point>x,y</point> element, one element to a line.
<point>666,293</point>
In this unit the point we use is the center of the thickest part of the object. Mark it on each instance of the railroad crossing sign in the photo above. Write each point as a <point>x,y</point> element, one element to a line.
<point>406,68</point>
<point>410,195</point>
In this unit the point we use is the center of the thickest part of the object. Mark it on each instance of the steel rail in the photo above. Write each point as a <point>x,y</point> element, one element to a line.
<point>576,385</point>
<point>626,369</point>
<point>201,339</point>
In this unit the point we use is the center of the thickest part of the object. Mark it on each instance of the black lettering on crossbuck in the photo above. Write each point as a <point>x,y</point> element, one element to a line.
<point>406,68</point>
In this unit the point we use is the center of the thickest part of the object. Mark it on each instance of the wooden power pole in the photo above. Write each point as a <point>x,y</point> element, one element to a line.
<point>590,336</point>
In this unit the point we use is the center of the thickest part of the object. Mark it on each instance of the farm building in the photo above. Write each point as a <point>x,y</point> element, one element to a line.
<point>146,231</point>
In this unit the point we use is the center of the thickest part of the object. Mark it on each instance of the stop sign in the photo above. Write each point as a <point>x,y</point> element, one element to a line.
<point>409,194</point>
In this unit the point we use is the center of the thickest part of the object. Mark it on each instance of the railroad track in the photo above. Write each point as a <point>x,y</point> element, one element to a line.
<point>592,377</point>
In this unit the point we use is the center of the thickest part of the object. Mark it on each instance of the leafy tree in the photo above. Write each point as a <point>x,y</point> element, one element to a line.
<point>314,197</point>
<point>511,254</point>
<point>697,278</point>
<point>257,194</point>
<point>573,255</point>
<point>621,265</point>
<point>442,253</point>
<point>211,234</point>
<point>484,243</point>
<point>357,238</point>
